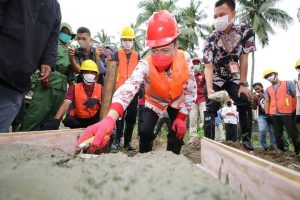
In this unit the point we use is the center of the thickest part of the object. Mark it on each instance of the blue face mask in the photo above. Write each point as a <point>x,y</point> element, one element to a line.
<point>64,38</point>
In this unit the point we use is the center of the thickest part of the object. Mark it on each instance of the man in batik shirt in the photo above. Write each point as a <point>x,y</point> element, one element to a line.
<point>226,59</point>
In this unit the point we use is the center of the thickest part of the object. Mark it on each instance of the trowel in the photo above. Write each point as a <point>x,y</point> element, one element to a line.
<point>83,146</point>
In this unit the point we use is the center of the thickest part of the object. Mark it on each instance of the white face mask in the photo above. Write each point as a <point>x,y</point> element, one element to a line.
<point>84,44</point>
<point>89,79</point>
<point>127,44</point>
<point>221,23</point>
<point>272,78</point>
<point>298,70</point>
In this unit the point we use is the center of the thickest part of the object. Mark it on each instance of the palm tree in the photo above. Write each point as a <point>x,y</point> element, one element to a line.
<point>139,43</point>
<point>190,19</point>
<point>105,39</point>
<point>151,6</point>
<point>262,14</point>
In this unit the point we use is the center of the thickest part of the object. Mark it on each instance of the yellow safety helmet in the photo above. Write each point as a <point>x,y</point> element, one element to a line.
<point>89,65</point>
<point>127,32</point>
<point>268,71</point>
<point>297,63</point>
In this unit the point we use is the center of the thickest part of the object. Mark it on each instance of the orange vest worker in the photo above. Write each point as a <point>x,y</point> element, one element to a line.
<point>81,110</point>
<point>281,100</point>
<point>125,68</point>
<point>160,90</point>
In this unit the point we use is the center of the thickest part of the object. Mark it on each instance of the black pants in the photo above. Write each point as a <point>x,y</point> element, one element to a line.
<point>141,111</point>
<point>243,107</point>
<point>288,122</point>
<point>130,118</point>
<point>147,132</point>
<point>161,122</point>
<point>231,132</point>
<point>76,122</point>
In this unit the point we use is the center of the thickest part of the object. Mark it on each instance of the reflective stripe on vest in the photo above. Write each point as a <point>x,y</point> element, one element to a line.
<point>80,110</point>
<point>162,91</point>
<point>280,100</point>
<point>125,68</point>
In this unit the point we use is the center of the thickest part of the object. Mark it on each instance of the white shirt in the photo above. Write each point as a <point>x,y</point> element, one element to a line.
<point>230,119</point>
<point>126,92</point>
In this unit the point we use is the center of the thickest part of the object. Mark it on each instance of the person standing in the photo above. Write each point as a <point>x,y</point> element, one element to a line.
<point>29,32</point>
<point>280,104</point>
<point>220,136</point>
<point>127,59</point>
<point>86,52</point>
<point>170,86</point>
<point>47,98</point>
<point>226,65</point>
<point>198,108</point>
<point>230,116</point>
<point>264,121</point>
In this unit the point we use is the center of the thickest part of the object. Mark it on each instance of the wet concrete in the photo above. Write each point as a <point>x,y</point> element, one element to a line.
<point>29,172</point>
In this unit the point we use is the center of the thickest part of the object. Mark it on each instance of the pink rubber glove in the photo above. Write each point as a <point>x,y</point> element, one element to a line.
<point>102,132</point>
<point>179,126</point>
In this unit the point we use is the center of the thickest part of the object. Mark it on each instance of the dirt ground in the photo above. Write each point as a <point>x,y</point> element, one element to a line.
<point>287,159</point>
<point>30,172</point>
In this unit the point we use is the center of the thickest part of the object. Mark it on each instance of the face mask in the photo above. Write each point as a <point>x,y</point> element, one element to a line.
<point>272,78</point>
<point>84,44</point>
<point>196,68</point>
<point>298,70</point>
<point>127,44</point>
<point>221,23</point>
<point>161,62</point>
<point>89,78</point>
<point>64,38</point>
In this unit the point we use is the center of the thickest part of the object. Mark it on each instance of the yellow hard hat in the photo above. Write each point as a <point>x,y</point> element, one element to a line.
<point>297,63</point>
<point>89,65</point>
<point>268,71</point>
<point>127,32</point>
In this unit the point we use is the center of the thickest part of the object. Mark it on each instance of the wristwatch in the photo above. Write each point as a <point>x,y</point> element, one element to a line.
<point>245,84</point>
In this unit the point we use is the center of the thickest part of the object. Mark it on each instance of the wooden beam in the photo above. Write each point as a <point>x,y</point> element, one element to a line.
<point>60,139</point>
<point>251,176</point>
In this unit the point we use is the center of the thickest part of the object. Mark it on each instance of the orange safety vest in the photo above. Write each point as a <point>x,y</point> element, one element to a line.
<point>281,100</point>
<point>162,91</point>
<point>126,68</point>
<point>81,110</point>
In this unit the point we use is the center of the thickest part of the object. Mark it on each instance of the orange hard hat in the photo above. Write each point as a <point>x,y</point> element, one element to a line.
<point>162,29</point>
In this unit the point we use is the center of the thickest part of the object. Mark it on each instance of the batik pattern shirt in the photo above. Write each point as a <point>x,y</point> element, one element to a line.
<point>220,49</point>
<point>127,91</point>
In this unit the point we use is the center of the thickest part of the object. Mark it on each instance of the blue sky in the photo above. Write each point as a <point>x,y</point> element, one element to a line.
<point>113,15</point>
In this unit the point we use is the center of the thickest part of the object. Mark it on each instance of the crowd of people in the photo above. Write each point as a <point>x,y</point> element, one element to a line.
<point>165,86</point>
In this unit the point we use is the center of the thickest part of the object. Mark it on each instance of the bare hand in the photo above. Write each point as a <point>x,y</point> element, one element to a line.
<point>245,91</point>
<point>99,51</point>
<point>107,59</point>
<point>71,52</point>
<point>44,75</point>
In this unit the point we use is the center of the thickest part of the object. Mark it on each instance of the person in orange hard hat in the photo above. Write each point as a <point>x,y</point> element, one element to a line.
<point>280,105</point>
<point>170,86</point>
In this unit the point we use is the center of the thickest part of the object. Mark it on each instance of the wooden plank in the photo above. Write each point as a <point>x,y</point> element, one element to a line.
<point>60,139</point>
<point>251,176</point>
<point>109,87</point>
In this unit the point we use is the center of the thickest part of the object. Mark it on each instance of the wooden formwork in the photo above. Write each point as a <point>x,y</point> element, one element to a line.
<point>252,177</point>
<point>60,139</point>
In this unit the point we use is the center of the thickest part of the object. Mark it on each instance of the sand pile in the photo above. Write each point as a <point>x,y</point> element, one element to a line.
<point>29,172</point>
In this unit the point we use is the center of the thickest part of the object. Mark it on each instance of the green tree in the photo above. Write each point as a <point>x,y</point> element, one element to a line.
<point>105,39</point>
<point>190,19</point>
<point>262,14</point>
<point>139,43</point>
<point>150,6</point>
